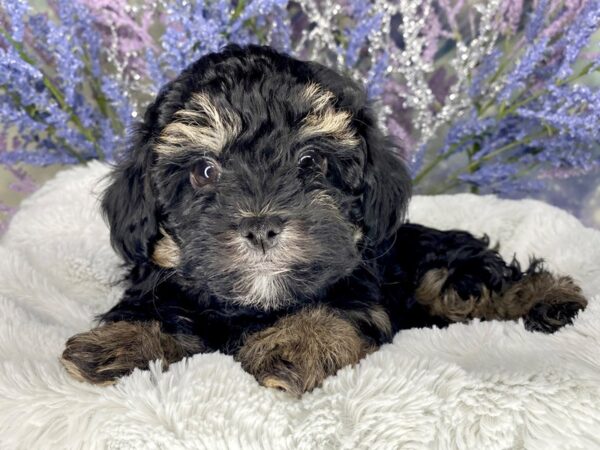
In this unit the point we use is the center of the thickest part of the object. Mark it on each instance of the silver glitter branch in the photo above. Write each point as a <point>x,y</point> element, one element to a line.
<point>467,58</point>
<point>408,65</point>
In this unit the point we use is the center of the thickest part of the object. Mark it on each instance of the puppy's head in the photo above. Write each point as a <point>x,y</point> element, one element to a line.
<point>257,177</point>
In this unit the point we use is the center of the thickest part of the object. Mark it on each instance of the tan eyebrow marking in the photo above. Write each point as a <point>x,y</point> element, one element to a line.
<point>202,125</point>
<point>166,252</point>
<point>324,119</point>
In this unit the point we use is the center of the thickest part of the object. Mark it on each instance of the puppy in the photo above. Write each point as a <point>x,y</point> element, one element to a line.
<point>261,212</point>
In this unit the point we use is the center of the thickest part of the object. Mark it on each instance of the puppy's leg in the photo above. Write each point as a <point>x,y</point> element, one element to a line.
<point>300,350</point>
<point>546,302</point>
<point>113,350</point>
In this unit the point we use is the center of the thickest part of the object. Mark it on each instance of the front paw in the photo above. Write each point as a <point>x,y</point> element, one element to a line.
<point>280,363</point>
<point>285,376</point>
<point>301,350</point>
<point>111,351</point>
<point>104,354</point>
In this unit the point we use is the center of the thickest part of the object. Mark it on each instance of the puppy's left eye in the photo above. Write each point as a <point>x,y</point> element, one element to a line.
<point>309,160</point>
<point>204,173</point>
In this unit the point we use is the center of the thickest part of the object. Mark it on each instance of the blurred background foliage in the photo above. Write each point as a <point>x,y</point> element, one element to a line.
<point>488,96</point>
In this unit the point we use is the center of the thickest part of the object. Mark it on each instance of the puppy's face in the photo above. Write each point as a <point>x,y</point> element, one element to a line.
<point>259,181</point>
<point>248,188</point>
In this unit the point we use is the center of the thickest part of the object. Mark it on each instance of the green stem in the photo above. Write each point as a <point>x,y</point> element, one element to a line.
<point>239,8</point>
<point>576,76</point>
<point>471,154</point>
<point>58,96</point>
<point>503,65</point>
<point>429,167</point>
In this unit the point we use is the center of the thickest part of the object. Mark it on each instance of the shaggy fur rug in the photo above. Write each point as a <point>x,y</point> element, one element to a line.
<point>477,386</point>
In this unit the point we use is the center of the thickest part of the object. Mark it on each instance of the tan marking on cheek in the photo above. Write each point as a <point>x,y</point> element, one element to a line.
<point>202,126</point>
<point>166,252</point>
<point>325,119</point>
<point>357,235</point>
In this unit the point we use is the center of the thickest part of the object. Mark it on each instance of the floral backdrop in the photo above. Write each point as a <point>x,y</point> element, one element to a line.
<point>487,96</point>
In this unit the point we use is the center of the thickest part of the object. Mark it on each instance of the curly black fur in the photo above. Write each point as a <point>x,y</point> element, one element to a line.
<point>287,197</point>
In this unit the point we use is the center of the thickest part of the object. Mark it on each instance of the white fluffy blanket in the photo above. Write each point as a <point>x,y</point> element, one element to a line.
<point>477,386</point>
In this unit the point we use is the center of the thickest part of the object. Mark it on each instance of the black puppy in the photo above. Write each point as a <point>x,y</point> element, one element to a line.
<point>261,212</point>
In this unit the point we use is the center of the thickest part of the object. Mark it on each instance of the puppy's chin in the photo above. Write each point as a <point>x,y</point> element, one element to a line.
<point>275,289</point>
<point>295,271</point>
<point>263,289</point>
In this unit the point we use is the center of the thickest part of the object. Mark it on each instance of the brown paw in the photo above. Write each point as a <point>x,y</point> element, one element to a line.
<point>284,376</point>
<point>550,317</point>
<point>554,302</point>
<point>111,351</point>
<point>301,350</point>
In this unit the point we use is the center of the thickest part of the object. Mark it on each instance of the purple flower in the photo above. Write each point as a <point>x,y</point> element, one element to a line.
<point>376,77</point>
<point>491,175</point>
<point>118,21</point>
<point>23,183</point>
<point>578,36</point>
<point>536,21</point>
<point>433,32</point>
<point>357,37</point>
<point>566,11</point>
<point>191,31</point>
<point>156,75</point>
<point>519,77</point>
<point>256,9</point>
<point>113,92</point>
<point>511,11</point>
<point>466,132</point>
<point>484,72</point>
<point>573,110</point>
<point>281,30</point>
<point>15,11</point>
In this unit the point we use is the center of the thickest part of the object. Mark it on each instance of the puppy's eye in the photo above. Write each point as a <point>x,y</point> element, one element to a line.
<point>204,172</point>
<point>308,160</point>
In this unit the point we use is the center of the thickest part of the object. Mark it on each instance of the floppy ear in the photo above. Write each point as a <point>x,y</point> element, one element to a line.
<point>129,203</point>
<point>387,188</point>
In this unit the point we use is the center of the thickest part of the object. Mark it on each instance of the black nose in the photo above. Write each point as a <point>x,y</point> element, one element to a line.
<point>261,232</point>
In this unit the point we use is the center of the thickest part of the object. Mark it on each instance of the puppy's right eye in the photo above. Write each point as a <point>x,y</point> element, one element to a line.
<point>310,159</point>
<point>204,172</point>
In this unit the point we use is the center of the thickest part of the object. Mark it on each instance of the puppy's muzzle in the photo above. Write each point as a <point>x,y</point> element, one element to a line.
<point>261,233</point>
